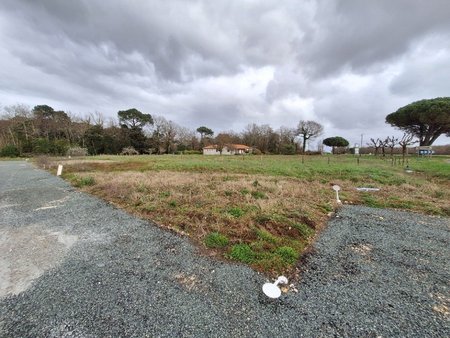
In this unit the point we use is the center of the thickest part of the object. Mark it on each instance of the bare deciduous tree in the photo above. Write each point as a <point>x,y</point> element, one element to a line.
<point>391,142</point>
<point>309,130</point>
<point>376,144</point>
<point>406,140</point>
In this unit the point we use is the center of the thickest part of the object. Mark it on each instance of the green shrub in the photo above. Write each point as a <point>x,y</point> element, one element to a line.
<point>192,152</point>
<point>288,254</point>
<point>242,253</point>
<point>216,240</point>
<point>287,149</point>
<point>9,150</point>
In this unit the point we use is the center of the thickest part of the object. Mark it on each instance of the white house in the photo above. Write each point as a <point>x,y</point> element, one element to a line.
<point>227,149</point>
<point>235,149</point>
<point>211,150</point>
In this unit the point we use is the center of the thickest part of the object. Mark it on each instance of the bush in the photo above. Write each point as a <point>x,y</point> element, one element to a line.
<point>129,151</point>
<point>216,240</point>
<point>59,147</point>
<point>256,151</point>
<point>287,149</point>
<point>54,147</point>
<point>41,146</point>
<point>192,152</point>
<point>242,253</point>
<point>77,151</point>
<point>9,150</point>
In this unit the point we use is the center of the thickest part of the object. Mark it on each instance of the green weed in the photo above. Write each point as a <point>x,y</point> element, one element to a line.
<point>242,253</point>
<point>304,230</point>
<point>216,240</point>
<point>86,181</point>
<point>245,191</point>
<point>258,195</point>
<point>288,254</point>
<point>236,212</point>
<point>266,236</point>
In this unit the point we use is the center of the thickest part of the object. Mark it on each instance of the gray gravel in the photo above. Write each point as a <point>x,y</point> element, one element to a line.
<point>373,273</point>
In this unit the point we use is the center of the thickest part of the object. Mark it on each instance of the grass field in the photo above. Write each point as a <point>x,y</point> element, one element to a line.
<point>260,210</point>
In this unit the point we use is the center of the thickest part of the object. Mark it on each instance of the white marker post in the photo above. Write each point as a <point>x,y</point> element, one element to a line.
<point>60,168</point>
<point>337,188</point>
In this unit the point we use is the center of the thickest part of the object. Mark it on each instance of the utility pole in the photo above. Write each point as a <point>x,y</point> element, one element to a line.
<point>361,144</point>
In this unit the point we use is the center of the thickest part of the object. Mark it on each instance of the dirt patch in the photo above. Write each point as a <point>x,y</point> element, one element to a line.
<point>27,252</point>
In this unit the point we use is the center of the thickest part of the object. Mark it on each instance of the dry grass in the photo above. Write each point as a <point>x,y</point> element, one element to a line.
<point>263,212</point>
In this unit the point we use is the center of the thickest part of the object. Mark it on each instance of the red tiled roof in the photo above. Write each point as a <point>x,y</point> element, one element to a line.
<point>211,146</point>
<point>238,146</point>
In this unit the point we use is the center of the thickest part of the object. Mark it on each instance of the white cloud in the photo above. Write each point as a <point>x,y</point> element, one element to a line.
<point>225,64</point>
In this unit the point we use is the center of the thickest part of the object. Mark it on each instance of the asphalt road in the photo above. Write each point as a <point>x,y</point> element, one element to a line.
<point>72,265</point>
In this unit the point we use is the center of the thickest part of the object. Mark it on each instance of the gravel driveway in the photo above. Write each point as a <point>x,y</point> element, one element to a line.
<point>74,266</point>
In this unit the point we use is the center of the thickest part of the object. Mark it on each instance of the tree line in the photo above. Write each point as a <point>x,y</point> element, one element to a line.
<point>43,130</point>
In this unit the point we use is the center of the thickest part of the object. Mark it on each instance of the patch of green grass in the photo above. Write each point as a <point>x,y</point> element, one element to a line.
<point>371,201</point>
<point>173,204</point>
<point>394,202</point>
<point>304,230</point>
<point>149,208</point>
<point>258,195</point>
<point>288,254</point>
<point>216,240</point>
<point>242,253</point>
<point>164,194</point>
<point>245,191</point>
<point>85,181</point>
<point>327,207</point>
<point>266,236</point>
<point>236,212</point>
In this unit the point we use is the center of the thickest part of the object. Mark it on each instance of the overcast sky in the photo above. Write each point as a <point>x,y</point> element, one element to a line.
<point>225,64</point>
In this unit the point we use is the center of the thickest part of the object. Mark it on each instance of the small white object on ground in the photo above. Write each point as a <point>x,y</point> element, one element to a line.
<point>337,188</point>
<point>272,290</point>
<point>367,189</point>
<point>60,168</point>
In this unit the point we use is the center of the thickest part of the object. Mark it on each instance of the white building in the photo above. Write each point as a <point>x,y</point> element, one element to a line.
<point>228,149</point>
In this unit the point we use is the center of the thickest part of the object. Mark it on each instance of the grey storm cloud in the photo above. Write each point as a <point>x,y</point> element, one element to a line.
<point>228,63</point>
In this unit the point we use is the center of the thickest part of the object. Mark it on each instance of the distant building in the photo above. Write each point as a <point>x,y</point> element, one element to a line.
<point>211,150</point>
<point>227,149</point>
<point>425,150</point>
